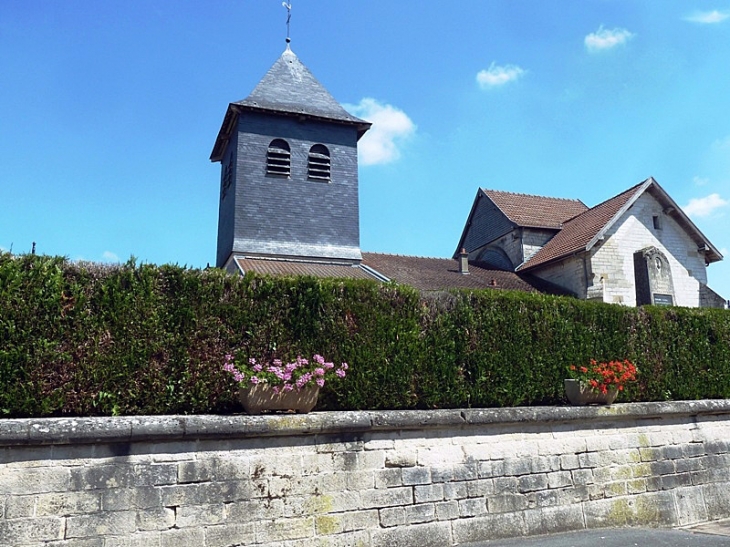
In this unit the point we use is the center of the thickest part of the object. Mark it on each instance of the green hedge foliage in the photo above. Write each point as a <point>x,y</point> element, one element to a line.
<point>86,339</point>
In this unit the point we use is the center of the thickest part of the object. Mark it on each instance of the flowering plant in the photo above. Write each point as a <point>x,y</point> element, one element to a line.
<point>604,376</point>
<point>285,376</point>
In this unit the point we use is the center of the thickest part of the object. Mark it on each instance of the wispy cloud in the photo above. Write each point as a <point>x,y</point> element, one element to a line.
<point>703,207</point>
<point>108,256</point>
<point>391,126</point>
<point>497,75</point>
<point>700,181</point>
<point>708,17</point>
<point>604,39</point>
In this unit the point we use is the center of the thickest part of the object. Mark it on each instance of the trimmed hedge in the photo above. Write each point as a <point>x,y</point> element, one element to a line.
<point>86,339</point>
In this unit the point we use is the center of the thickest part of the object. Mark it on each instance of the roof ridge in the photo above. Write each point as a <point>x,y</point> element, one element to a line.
<point>408,256</point>
<point>521,194</point>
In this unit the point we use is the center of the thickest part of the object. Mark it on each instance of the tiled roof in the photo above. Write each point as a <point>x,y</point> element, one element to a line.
<point>443,273</point>
<point>578,232</point>
<point>295,268</point>
<point>536,211</point>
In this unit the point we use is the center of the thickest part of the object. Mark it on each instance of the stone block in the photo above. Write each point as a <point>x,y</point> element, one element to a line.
<point>465,471</point>
<point>268,531</point>
<point>691,507</point>
<point>455,490</point>
<point>112,523</point>
<point>505,484</point>
<point>717,499</point>
<point>102,477</point>
<point>531,483</point>
<point>447,510</point>
<point>387,478</point>
<point>472,507</point>
<point>121,499</point>
<point>58,504</point>
<point>228,534</point>
<point>507,503</point>
<point>159,518</point>
<point>17,507</point>
<point>553,520</point>
<point>434,534</point>
<point>416,514</point>
<point>360,520</point>
<point>359,480</point>
<point>569,461</point>
<point>246,511</point>
<point>199,515</point>
<point>480,488</point>
<point>392,516</point>
<point>188,537</point>
<point>386,498</point>
<point>401,458</point>
<point>487,527</point>
<point>138,539</point>
<point>24,480</point>
<point>559,479</point>
<point>428,493</point>
<point>582,477</point>
<point>22,531</point>
<point>517,466</point>
<point>416,475</point>
<point>315,464</point>
<point>325,525</point>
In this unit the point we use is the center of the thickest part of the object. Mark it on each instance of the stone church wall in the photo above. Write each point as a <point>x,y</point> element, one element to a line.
<point>371,479</point>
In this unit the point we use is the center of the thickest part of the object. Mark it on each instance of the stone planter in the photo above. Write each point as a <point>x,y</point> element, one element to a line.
<point>580,393</point>
<point>261,398</point>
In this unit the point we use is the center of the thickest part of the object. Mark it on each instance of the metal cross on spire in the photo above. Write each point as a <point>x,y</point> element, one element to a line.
<point>287,5</point>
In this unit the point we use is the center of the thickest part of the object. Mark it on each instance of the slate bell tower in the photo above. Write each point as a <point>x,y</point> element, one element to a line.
<point>289,186</point>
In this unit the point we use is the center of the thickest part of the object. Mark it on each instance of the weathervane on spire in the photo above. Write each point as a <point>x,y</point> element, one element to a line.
<point>287,5</point>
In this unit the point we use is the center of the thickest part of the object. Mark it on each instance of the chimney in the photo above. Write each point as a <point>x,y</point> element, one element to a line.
<point>463,262</point>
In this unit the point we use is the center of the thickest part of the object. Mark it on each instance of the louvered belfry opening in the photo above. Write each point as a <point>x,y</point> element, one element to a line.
<point>318,164</point>
<point>278,158</point>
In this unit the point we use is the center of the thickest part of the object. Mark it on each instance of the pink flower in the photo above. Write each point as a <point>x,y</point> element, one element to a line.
<point>341,373</point>
<point>319,371</point>
<point>320,382</point>
<point>257,368</point>
<point>318,359</point>
<point>252,361</point>
<point>254,380</point>
<point>288,387</point>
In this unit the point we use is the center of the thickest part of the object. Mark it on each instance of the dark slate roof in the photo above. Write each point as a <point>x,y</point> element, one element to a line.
<point>431,274</point>
<point>295,268</point>
<point>536,211</point>
<point>288,88</point>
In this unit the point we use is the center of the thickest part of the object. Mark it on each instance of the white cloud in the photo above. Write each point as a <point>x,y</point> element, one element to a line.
<point>722,144</point>
<point>703,207</point>
<point>708,17</point>
<point>108,256</point>
<point>390,127</point>
<point>700,181</point>
<point>498,75</point>
<point>606,39</point>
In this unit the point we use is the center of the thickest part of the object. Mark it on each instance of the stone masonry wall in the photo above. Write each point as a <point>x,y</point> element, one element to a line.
<point>412,478</point>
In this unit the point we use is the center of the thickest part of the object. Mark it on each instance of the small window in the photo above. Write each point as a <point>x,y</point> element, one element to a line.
<point>657,222</point>
<point>278,158</point>
<point>318,165</point>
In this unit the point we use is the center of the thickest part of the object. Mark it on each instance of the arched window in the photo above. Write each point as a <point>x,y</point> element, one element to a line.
<point>278,158</point>
<point>318,164</point>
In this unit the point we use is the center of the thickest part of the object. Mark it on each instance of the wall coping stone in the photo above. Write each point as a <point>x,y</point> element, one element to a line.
<point>125,429</point>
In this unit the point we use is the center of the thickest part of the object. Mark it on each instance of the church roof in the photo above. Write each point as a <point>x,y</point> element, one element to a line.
<point>288,88</point>
<point>585,230</point>
<point>535,211</point>
<point>434,274</point>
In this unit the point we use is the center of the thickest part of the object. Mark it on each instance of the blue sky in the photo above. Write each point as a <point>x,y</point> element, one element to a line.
<point>109,111</point>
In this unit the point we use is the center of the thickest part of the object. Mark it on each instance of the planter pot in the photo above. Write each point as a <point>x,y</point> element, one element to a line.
<point>580,393</point>
<point>261,397</point>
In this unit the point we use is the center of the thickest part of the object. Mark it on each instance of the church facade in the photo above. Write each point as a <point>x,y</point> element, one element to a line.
<point>289,206</point>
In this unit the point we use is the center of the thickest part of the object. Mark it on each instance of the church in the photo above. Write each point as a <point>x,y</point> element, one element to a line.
<point>289,206</point>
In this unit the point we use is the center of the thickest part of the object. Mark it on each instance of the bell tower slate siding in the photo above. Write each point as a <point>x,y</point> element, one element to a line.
<point>295,217</point>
